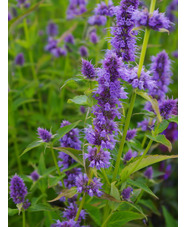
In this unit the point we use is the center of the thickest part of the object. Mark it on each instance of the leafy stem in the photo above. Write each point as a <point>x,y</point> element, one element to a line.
<point>24,219</point>
<point>80,207</point>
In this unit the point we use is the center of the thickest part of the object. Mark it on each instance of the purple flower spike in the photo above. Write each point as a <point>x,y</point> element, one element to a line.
<point>98,159</point>
<point>83,51</point>
<point>75,8</point>
<point>82,109</point>
<point>167,172</point>
<point>97,20</point>
<point>18,190</point>
<point>44,135</point>
<point>26,204</point>
<point>148,172</point>
<point>88,69</point>
<point>9,16</point>
<point>52,29</point>
<point>93,189</point>
<point>103,9</point>
<point>167,108</point>
<point>93,37</point>
<point>126,193</point>
<point>128,156</point>
<point>34,175</point>
<point>19,60</point>
<point>70,212</point>
<point>69,39</point>
<point>131,133</point>
<point>69,223</point>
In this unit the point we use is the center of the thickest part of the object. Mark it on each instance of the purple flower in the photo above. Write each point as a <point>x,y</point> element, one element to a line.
<point>52,29</point>
<point>69,39</point>
<point>44,135</point>
<point>71,175</point>
<point>82,109</point>
<point>69,223</point>
<point>83,51</point>
<point>126,193</point>
<point>75,8</point>
<point>148,172</point>
<point>98,158</point>
<point>167,172</point>
<point>103,9</point>
<point>19,60</point>
<point>88,69</point>
<point>57,52</point>
<point>170,12</point>
<point>21,1</point>
<point>160,67</point>
<point>124,40</point>
<point>128,156</point>
<point>92,188</point>
<point>27,5</point>
<point>18,190</point>
<point>144,125</point>
<point>26,204</point>
<point>97,20</point>
<point>70,212</point>
<point>34,175</point>
<point>167,107</point>
<point>175,54</point>
<point>52,43</point>
<point>131,133</point>
<point>93,37</point>
<point>9,16</point>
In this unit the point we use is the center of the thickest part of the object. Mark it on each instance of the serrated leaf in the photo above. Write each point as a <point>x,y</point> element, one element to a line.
<point>162,126</point>
<point>153,102</point>
<point>69,193</point>
<point>169,220</point>
<point>173,119</point>
<point>146,161</point>
<point>161,139</point>
<point>94,213</point>
<point>149,204</point>
<point>75,154</point>
<point>62,131</point>
<point>80,100</point>
<point>52,181</point>
<point>12,212</point>
<point>120,218</point>
<point>115,193</point>
<point>142,186</point>
<point>32,146</point>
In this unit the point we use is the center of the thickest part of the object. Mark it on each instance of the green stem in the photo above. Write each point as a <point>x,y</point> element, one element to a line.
<point>80,208</point>
<point>55,160</point>
<point>144,141</point>
<point>105,176</point>
<point>105,222</point>
<point>24,219</point>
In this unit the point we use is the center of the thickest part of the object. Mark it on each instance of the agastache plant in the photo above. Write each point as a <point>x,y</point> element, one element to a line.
<point>97,163</point>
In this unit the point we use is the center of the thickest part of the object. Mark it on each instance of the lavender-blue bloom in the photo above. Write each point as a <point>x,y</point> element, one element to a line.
<point>71,175</point>
<point>148,172</point>
<point>131,133</point>
<point>93,37</point>
<point>126,193</point>
<point>75,8</point>
<point>18,190</point>
<point>103,9</point>
<point>93,188</point>
<point>69,39</point>
<point>167,172</point>
<point>175,54</point>
<point>34,175</point>
<point>69,223</point>
<point>128,156</point>
<point>44,135</point>
<point>88,69</point>
<point>27,5</point>
<point>146,124</point>
<point>19,60</point>
<point>172,7</point>
<point>97,20</point>
<point>82,109</point>
<point>167,107</point>
<point>57,52</point>
<point>26,204</point>
<point>9,16</point>
<point>83,51</point>
<point>98,158</point>
<point>70,212</point>
<point>124,40</point>
<point>52,29</point>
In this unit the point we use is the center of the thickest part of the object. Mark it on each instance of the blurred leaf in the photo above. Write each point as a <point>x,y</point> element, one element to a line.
<point>80,100</point>
<point>52,181</point>
<point>94,213</point>
<point>22,43</point>
<point>162,126</point>
<point>32,146</point>
<point>12,212</point>
<point>120,218</point>
<point>68,193</point>
<point>142,186</point>
<point>40,207</point>
<point>149,204</point>
<point>62,131</point>
<point>169,220</point>
<point>72,80</point>
<point>153,102</point>
<point>20,101</point>
<point>161,139</point>
<point>42,166</point>
<point>173,119</point>
<point>75,154</point>
<point>146,161</point>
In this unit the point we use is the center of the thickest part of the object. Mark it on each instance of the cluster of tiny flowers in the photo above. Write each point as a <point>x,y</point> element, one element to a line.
<point>69,39</point>
<point>155,21</point>
<point>103,9</point>
<point>168,108</point>
<point>93,37</point>
<point>144,82</point>
<point>52,47</point>
<point>19,60</point>
<point>23,3</point>
<point>44,135</point>
<point>146,124</point>
<point>107,94</point>
<point>148,172</point>
<point>75,8</point>
<point>129,155</point>
<point>124,40</point>
<point>170,12</point>
<point>126,193</point>
<point>131,133</point>
<point>98,158</point>
<point>88,69</point>
<point>166,169</point>
<point>160,68</point>
<point>9,16</point>
<point>92,188</point>
<point>83,51</point>
<point>18,191</point>
<point>97,20</point>
<point>70,212</point>
<point>69,223</point>
<point>34,175</point>
<point>52,29</point>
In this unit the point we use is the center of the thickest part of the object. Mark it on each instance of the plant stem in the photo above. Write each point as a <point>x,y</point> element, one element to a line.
<point>80,208</point>
<point>133,98</point>
<point>105,222</point>
<point>105,176</point>
<point>55,161</point>
<point>24,219</point>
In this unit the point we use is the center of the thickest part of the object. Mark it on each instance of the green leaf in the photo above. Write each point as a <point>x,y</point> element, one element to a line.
<point>42,166</point>
<point>162,126</point>
<point>173,119</point>
<point>94,213</point>
<point>62,131</point>
<point>161,139</point>
<point>20,101</point>
<point>142,186</point>
<point>146,161</point>
<point>115,193</point>
<point>72,80</point>
<point>40,207</point>
<point>52,181</point>
<point>32,146</point>
<point>69,193</point>
<point>75,154</point>
<point>120,218</point>
<point>80,100</point>
<point>149,204</point>
<point>169,220</point>
<point>153,102</point>
<point>12,212</point>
